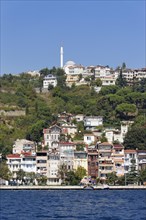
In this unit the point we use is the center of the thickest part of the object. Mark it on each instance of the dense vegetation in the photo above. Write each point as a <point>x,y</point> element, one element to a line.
<point>114,103</point>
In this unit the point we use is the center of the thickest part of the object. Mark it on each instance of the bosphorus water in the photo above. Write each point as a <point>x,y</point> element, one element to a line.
<point>73,204</point>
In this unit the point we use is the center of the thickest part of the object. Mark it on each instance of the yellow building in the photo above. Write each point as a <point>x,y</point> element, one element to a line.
<point>80,159</point>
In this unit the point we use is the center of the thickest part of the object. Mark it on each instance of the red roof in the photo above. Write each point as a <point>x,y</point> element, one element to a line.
<point>118,146</point>
<point>130,151</point>
<point>13,156</point>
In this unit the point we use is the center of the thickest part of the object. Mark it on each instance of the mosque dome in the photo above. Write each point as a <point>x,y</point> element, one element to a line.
<point>70,63</point>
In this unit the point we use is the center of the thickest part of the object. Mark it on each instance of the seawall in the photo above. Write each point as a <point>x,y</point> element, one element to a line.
<point>134,187</point>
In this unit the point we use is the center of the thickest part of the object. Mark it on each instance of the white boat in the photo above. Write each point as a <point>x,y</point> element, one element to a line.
<point>105,186</point>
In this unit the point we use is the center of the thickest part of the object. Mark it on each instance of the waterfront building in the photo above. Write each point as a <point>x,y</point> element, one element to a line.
<point>66,150</point>
<point>141,156</point>
<point>24,161</point>
<point>41,162</point>
<point>105,159</point>
<point>53,164</point>
<point>130,160</point>
<point>92,162</point>
<point>118,158</point>
<point>80,160</point>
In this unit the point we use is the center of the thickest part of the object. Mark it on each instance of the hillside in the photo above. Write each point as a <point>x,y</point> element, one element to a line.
<point>24,112</point>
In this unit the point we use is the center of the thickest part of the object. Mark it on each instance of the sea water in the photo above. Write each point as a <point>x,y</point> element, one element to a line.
<point>73,204</point>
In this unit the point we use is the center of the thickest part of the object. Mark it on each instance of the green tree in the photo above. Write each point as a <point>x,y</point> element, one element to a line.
<point>121,81</point>
<point>71,178</point>
<point>132,176</point>
<point>80,172</point>
<point>126,110</point>
<point>112,178</point>
<point>142,176</point>
<point>62,172</point>
<point>20,174</point>
<point>136,138</point>
<point>4,171</point>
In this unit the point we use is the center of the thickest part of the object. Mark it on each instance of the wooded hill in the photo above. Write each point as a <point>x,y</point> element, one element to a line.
<point>114,103</point>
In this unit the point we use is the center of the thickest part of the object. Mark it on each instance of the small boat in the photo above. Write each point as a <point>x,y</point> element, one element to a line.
<point>105,186</point>
<point>88,187</point>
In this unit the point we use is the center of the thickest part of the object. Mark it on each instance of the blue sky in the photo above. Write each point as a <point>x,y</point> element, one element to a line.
<point>91,32</point>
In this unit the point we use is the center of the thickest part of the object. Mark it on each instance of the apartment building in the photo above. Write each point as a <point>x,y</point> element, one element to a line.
<point>130,160</point>
<point>53,164</point>
<point>80,159</point>
<point>41,162</point>
<point>92,162</point>
<point>105,159</point>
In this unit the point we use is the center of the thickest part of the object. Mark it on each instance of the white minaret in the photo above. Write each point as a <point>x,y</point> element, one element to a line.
<point>61,57</point>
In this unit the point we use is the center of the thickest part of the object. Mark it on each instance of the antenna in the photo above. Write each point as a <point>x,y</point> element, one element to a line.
<point>61,57</point>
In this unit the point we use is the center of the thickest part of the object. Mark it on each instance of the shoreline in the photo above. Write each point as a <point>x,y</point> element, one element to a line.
<point>70,188</point>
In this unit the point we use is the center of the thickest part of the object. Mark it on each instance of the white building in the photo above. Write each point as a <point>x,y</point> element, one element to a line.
<point>52,169</point>
<point>51,136</point>
<point>23,145</point>
<point>118,135</point>
<point>41,162</point>
<point>91,122</point>
<point>136,74</point>
<point>130,160</point>
<point>69,129</point>
<point>66,150</point>
<point>89,139</point>
<point>102,71</point>
<point>49,80</point>
<point>108,81</point>
<point>141,154</point>
<point>25,161</point>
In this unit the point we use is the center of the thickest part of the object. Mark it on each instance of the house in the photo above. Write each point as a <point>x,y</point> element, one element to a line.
<point>113,135</point>
<point>14,162</point>
<point>108,80</point>
<point>28,162</point>
<point>69,129</point>
<point>52,136</point>
<point>24,161</point>
<point>91,122</point>
<point>23,145</point>
<point>79,117</point>
<point>49,80</point>
<point>89,138</point>
<point>105,159</point>
<point>64,117</point>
